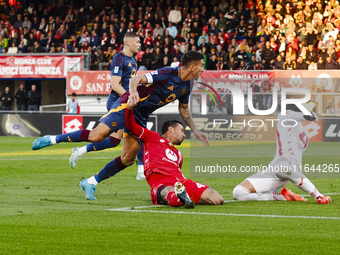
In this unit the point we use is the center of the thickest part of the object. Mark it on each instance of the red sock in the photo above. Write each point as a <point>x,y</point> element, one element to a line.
<point>172,199</point>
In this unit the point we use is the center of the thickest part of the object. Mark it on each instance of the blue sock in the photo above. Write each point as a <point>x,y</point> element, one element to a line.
<point>76,136</point>
<point>112,168</point>
<point>140,156</point>
<point>108,142</point>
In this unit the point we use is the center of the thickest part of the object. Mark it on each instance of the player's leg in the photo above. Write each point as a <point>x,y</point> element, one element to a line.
<point>130,150</point>
<point>140,171</point>
<point>110,142</point>
<point>166,190</point>
<point>210,197</point>
<point>95,135</point>
<point>263,186</point>
<point>202,194</point>
<point>293,174</point>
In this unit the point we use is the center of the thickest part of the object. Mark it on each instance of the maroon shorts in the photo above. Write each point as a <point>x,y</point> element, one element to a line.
<point>194,189</point>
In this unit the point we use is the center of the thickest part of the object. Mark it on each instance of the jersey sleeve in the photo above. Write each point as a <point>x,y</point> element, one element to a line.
<point>184,99</point>
<point>139,132</point>
<point>162,74</point>
<point>117,64</point>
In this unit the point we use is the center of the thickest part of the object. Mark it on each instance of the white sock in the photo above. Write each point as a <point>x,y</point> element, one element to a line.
<point>243,194</point>
<point>306,185</point>
<point>278,196</point>
<point>82,150</point>
<point>92,180</point>
<point>140,169</point>
<point>53,139</point>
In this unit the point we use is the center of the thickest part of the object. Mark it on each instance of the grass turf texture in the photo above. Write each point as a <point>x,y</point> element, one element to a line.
<point>43,211</point>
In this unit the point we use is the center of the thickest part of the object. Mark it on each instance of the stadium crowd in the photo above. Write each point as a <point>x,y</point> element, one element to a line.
<point>232,35</point>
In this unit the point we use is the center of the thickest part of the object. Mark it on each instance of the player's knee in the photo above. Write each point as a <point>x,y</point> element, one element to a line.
<point>218,199</point>
<point>127,161</point>
<point>240,192</point>
<point>211,198</point>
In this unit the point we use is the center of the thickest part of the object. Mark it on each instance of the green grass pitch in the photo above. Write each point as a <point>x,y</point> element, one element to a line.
<point>43,211</point>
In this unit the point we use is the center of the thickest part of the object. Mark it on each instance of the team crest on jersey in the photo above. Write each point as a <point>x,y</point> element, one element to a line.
<point>171,155</point>
<point>116,69</point>
<point>113,123</point>
<point>183,91</point>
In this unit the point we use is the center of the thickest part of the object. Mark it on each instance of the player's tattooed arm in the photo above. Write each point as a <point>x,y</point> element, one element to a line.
<point>186,116</point>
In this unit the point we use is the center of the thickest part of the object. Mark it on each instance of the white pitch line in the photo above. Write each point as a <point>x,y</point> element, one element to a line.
<point>231,214</point>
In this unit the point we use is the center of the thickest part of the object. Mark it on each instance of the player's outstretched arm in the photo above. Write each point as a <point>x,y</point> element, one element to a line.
<point>186,116</point>
<point>134,82</point>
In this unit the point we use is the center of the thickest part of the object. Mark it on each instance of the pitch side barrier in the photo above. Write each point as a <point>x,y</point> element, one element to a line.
<point>217,126</point>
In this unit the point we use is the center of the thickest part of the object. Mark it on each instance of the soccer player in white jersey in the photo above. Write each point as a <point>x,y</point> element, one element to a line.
<point>291,142</point>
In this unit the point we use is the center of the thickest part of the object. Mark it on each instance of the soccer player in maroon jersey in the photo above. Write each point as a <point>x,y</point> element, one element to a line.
<point>162,164</point>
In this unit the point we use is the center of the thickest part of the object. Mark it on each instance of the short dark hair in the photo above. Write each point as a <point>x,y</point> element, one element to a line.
<point>170,123</point>
<point>130,35</point>
<point>74,94</point>
<point>191,56</point>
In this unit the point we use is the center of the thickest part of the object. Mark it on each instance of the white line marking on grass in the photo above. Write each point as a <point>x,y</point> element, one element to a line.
<point>229,214</point>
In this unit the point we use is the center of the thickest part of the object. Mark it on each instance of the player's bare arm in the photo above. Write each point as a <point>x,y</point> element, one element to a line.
<point>186,116</point>
<point>134,82</point>
<point>116,85</point>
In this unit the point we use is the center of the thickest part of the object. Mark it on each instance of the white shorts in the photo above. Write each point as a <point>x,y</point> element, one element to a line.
<point>266,181</point>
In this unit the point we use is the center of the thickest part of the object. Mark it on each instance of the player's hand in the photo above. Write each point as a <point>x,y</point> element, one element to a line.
<point>203,137</point>
<point>131,103</point>
<point>134,96</point>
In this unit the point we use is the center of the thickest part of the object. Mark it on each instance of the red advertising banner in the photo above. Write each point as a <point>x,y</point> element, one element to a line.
<point>39,66</point>
<point>98,82</point>
<point>91,82</point>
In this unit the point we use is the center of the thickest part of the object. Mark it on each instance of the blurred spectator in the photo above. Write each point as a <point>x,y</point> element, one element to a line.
<point>33,99</point>
<point>268,56</point>
<point>175,15</point>
<point>6,99</point>
<point>175,62</point>
<point>301,64</point>
<point>172,30</point>
<point>312,66</point>
<point>289,64</point>
<point>22,48</point>
<point>331,63</point>
<point>21,97</point>
<point>157,59</point>
<point>94,39</point>
<point>279,63</point>
<point>320,64</point>
<point>13,49</point>
<point>37,48</point>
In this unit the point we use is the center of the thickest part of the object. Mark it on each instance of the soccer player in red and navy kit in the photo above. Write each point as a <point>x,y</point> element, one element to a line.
<point>163,162</point>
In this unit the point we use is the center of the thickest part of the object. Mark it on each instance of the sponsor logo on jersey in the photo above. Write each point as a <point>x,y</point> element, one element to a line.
<point>116,69</point>
<point>171,155</point>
